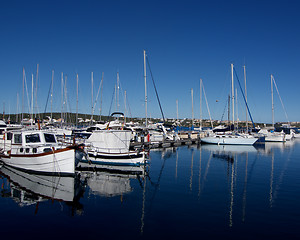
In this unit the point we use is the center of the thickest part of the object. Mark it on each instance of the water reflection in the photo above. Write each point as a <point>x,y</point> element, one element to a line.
<point>231,155</point>
<point>28,189</point>
<point>234,149</point>
<point>111,181</point>
<point>268,147</point>
<point>217,191</point>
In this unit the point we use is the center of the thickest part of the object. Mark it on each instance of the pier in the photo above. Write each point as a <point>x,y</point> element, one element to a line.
<point>165,143</point>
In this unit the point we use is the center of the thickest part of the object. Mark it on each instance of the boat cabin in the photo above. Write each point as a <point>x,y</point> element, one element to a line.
<point>32,142</point>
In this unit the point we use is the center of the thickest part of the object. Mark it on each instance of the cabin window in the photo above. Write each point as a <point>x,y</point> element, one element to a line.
<point>33,138</point>
<point>49,138</point>
<point>9,136</point>
<point>18,138</point>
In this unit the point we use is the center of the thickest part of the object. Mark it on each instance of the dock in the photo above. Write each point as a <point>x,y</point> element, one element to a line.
<point>165,143</point>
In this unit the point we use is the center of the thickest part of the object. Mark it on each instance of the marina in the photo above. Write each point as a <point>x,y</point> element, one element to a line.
<point>107,130</point>
<point>206,190</point>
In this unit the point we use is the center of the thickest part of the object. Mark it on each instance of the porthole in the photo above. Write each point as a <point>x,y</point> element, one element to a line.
<point>34,150</point>
<point>21,150</point>
<point>27,150</point>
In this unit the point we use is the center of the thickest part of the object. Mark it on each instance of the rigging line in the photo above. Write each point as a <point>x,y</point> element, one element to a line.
<point>280,99</point>
<point>155,90</point>
<point>112,99</point>
<point>100,86</point>
<point>27,92</point>
<point>127,102</point>
<point>67,102</point>
<point>48,97</point>
<point>244,97</point>
<point>224,111</point>
<point>207,105</point>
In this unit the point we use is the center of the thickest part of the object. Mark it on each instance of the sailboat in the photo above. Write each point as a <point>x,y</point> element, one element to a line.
<point>270,134</point>
<point>233,138</point>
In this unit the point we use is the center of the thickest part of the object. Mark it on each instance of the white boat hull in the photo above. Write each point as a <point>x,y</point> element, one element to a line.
<point>275,138</point>
<point>229,140</point>
<point>58,162</point>
<point>131,158</point>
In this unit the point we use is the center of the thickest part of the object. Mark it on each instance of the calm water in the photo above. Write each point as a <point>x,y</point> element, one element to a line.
<point>201,191</point>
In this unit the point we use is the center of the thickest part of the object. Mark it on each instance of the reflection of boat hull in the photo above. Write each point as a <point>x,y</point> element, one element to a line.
<point>229,140</point>
<point>131,158</point>
<point>131,170</point>
<point>110,181</point>
<point>229,148</point>
<point>52,187</point>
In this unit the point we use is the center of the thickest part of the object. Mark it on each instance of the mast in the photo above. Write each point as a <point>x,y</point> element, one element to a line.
<point>118,91</point>
<point>115,97</point>
<point>52,93</point>
<point>101,95</point>
<point>92,80</point>
<point>76,100</point>
<point>3,111</point>
<point>232,93</point>
<point>65,101</point>
<point>62,98</point>
<point>237,110</point>
<point>31,99</point>
<point>272,100</point>
<point>146,121</point>
<point>246,98</point>
<point>23,95</point>
<point>125,107</point>
<point>17,113</point>
<point>35,92</point>
<point>177,109</point>
<point>200,104</point>
<point>192,95</point>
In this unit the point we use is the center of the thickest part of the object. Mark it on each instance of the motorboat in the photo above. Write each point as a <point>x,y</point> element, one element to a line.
<point>272,136</point>
<point>38,151</point>
<point>111,147</point>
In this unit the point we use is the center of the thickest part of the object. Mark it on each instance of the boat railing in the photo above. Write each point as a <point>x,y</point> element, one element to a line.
<point>33,149</point>
<point>106,150</point>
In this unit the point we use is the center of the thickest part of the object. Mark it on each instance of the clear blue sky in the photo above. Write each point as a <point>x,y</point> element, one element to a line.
<point>184,41</point>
